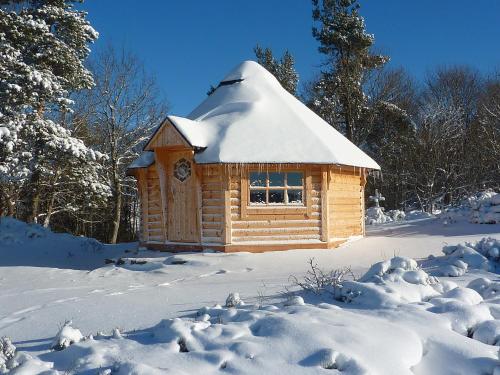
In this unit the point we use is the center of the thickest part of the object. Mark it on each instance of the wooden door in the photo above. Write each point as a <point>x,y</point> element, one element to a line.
<point>182,205</point>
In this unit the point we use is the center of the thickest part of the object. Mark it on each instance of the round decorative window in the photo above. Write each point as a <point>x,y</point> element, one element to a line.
<point>182,170</point>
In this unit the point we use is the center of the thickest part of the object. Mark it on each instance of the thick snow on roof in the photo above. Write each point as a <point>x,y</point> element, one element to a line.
<point>145,159</point>
<point>255,120</point>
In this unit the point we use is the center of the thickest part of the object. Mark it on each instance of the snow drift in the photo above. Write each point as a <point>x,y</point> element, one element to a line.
<point>395,319</point>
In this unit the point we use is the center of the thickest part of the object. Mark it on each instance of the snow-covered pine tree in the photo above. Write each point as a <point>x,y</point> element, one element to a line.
<point>338,93</point>
<point>43,46</point>
<point>283,69</point>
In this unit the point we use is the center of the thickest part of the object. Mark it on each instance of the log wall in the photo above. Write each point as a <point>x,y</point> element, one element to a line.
<point>275,224</point>
<point>222,196</point>
<point>152,228</point>
<point>345,202</point>
<point>212,207</point>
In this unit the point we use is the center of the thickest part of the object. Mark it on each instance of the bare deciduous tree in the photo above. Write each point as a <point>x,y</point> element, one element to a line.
<point>119,115</point>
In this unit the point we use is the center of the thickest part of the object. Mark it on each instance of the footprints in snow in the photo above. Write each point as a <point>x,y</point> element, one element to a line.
<point>203,275</point>
<point>22,314</point>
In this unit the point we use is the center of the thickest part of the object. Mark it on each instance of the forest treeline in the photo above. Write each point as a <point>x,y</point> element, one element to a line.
<point>71,120</point>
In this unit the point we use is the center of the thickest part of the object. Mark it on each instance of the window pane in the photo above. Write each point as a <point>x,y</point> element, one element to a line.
<point>294,178</point>
<point>276,179</point>
<point>258,196</point>
<point>294,196</point>
<point>257,179</point>
<point>276,196</point>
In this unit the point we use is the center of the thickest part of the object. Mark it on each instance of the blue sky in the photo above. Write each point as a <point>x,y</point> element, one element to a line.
<point>189,44</point>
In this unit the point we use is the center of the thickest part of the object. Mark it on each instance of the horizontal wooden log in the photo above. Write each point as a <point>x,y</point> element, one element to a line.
<point>275,231</point>
<point>156,225</point>
<point>346,215</point>
<point>211,239</point>
<point>346,222</point>
<point>345,187</point>
<point>345,228</point>
<point>347,201</point>
<point>346,180</point>
<point>211,186</point>
<point>315,193</point>
<point>212,225</point>
<point>212,218</point>
<point>212,179</point>
<point>282,238</point>
<point>209,194</point>
<point>347,194</point>
<point>212,233</point>
<point>213,202</point>
<point>275,224</point>
<point>154,231</point>
<point>341,208</point>
<point>156,238</point>
<point>212,210</point>
<point>346,234</point>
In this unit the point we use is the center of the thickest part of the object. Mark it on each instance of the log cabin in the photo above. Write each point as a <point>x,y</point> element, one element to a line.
<point>250,169</point>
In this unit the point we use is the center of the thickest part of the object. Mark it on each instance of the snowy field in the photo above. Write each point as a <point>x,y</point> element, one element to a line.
<point>399,318</point>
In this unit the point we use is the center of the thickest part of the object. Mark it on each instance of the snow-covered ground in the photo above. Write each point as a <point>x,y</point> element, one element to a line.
<point>404,321</point>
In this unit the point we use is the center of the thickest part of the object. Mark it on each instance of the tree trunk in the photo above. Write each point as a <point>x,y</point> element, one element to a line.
<point>11,207</point>
<point>34,198</point>
<point>46,221</point>
<point>117,205</point>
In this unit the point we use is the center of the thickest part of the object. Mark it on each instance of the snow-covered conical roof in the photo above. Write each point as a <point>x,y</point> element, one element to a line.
<point>251,118</point>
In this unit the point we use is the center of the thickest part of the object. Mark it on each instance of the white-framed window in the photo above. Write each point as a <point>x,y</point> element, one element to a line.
<point>276,188</point>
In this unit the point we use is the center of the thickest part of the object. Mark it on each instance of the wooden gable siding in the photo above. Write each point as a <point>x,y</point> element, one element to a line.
<point>152,228</point>
<point>275,224</point>
<point>345,202</point>
<point>167,136</point>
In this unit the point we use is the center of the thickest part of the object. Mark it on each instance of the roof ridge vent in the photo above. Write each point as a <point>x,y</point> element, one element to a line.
<point>230,82</point>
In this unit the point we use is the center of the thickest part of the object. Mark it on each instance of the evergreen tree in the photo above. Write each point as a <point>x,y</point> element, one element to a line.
<point>283,69</point>
<point>43,46</point>
<point>338,95</point>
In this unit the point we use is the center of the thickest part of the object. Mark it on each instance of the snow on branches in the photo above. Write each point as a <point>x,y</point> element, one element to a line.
<point>43,47</point>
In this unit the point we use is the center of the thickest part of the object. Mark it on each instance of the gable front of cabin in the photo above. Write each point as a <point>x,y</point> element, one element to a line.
<point>244,207</point>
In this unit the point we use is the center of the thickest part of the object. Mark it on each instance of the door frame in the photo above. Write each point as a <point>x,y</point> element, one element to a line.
<point>166,158</point>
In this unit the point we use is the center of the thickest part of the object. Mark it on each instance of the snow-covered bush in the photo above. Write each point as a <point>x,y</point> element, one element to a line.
<point>488,332</point>
<point>7,353</point>
<point>330,359</point>
<point>293,300</point>
<point>376,215</point>
<point>485,287</point>
<point>480,208</point>
<point>233,300</point>
<point>379,271</point>
<point>396,215</point>
<point>66,336</point>
<point>458,259</point>
<point>463,308</point>
<point>318,281</point>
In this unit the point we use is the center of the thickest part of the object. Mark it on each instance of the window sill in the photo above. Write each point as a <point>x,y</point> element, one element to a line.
<point>275,210</point>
